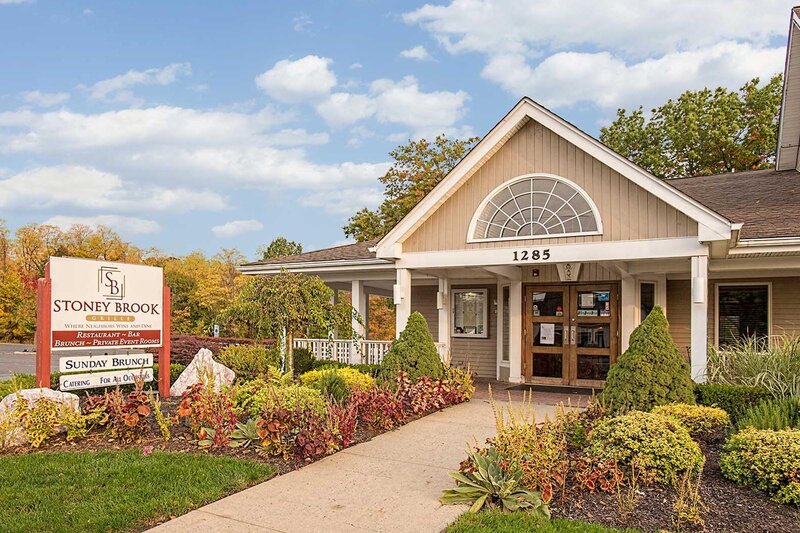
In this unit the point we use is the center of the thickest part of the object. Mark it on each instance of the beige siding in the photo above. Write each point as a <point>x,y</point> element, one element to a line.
<point>785,308</point>
<point>423,299</point>
<point>627,211</point>
<point>549,274</point>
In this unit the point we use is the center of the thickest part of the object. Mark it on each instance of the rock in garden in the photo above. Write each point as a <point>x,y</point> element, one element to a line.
<point>202,364</point>
<point>16,437</point>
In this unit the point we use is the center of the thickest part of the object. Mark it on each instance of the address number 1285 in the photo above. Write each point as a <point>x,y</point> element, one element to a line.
<point>532,255</point>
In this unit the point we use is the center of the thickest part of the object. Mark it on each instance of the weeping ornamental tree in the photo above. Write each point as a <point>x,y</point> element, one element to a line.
<point>291,304</point>
<point>651,372</point>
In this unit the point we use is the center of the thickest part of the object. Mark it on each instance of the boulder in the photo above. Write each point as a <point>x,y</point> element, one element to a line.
<point>16,436</point>
<point>201,365</point>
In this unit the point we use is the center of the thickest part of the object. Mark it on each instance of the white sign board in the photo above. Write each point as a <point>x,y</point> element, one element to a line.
<point>102,363</point>
<point>103,379</point>
<point>100,304</point>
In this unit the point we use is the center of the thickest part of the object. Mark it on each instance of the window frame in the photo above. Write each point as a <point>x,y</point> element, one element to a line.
<point>488,198</point>
<point>641,282</point>
<point>453,293</point>
<point>767,284</point>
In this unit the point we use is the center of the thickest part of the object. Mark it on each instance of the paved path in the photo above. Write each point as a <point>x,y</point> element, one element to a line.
<point>391,483</point>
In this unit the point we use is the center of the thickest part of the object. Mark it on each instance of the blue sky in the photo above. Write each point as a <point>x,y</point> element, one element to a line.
<point>201,125</point>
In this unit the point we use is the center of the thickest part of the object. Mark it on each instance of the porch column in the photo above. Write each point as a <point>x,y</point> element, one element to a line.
<point>699,322</point>
<point>627,311</point>
<point>359,302</point>
<point>515,332</point>
<point>443,304</point>
<point>402,299</point>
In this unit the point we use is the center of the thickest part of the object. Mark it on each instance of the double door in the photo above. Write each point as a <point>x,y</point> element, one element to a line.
<point>570,333</point>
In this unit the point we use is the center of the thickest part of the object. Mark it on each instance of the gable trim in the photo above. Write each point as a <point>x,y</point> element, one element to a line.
<point>389,246</point>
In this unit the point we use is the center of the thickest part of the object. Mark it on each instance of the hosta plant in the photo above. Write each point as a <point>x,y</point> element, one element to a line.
<point>487,483</point>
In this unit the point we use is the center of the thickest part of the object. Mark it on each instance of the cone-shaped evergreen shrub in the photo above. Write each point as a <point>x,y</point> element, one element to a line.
<point>414,353</point>
<point>651,372</point>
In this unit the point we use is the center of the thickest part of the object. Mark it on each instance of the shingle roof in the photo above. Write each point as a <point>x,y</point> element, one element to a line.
<point>767,202</point>
<point>358,250</point>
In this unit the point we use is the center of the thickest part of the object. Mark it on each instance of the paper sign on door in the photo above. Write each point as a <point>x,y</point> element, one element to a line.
<point>547,334</point>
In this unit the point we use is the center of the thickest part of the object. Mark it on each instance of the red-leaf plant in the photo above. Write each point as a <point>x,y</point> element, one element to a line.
<point>210,414</point>
<point>125,416</point>
<point>299,434</point>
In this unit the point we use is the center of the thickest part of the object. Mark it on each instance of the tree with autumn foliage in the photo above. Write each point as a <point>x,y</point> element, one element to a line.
<point>418,167</point>
<point>702,132</point>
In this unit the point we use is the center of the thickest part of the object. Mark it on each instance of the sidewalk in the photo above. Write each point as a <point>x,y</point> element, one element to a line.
<point>391,483</point>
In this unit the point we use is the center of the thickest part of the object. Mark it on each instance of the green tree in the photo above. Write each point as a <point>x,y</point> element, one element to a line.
<point>651,372</point>
<point>702,132</point>
<point>414,353</point>
<point>279,247</point>
<point>286,304</point>
<point>418,167</point>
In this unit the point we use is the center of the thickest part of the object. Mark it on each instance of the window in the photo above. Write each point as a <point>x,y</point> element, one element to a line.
<point>533,207</point>
<point>470,313</point>
<point>647,299</point>
<point>742,313</point>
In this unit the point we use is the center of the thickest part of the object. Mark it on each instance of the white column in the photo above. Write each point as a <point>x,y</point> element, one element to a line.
<point>443,304</point>
<point>627,310</point>
<point>515,332</point>
<point>402,299</point>
<point>699,322</point>
<point>359,302</point>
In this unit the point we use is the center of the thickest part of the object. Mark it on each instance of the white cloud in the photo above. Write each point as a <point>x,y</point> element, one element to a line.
<point>356,66</point>
<point>89,188</point>
<point>41,99</point>
<point>302,23</point>
<point>341,109</point>
<point>88,12</point>
<point>123,225</point>
<point>418,52</point>
<point>118,88</point>
<point>611,52</point>
<point>13,2</point>
<point>298,137</point>
<point>236,227</point>
<point>344,201</point>
<point>308,78</point>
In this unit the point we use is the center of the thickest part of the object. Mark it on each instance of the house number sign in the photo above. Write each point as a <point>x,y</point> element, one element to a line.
<point>532,255</point>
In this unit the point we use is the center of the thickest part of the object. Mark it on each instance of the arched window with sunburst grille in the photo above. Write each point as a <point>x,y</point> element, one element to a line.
<point>535,207</point>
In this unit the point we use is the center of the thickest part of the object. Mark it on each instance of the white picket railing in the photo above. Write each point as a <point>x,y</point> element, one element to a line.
<point>351,351</point>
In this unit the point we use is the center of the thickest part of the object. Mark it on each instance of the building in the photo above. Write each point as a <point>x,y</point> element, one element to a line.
<point>541,251</point>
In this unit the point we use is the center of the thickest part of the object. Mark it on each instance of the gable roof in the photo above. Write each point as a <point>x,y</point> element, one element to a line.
<point>713,226</point>
<point>345,252</point>
<point>766,202</point>
<point>789,123</point>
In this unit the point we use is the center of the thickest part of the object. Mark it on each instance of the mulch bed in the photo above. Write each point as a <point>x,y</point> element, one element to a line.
<point>729,507</point>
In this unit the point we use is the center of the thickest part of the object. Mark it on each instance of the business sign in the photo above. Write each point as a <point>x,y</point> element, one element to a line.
<point>100,304</point>
<point>104,379</point>
<point>102,363</point>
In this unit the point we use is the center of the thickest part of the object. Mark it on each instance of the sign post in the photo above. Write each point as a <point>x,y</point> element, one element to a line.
<point>91,305</point>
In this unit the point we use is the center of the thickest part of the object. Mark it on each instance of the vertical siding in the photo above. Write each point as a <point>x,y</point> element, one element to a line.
<point>627,211</point>
<point>785,308</point>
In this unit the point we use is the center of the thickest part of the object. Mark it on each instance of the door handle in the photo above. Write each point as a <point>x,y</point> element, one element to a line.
<point>572,334</point>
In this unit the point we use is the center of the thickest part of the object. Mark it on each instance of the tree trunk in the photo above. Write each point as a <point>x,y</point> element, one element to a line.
<point>290,352</point>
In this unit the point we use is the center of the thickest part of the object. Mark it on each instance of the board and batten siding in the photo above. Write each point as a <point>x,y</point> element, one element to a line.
<point>627,211</point>
<point>480,354</point>
<point>785,308</point>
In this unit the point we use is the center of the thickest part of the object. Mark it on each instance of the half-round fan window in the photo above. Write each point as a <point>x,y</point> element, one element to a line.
<point>532,207</point>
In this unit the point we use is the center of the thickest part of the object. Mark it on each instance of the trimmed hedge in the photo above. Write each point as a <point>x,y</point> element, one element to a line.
<point>701,421</point>
<point>765,460</point>
<point>353,379</point>
<point>321,364</point>
<point>733,399</point>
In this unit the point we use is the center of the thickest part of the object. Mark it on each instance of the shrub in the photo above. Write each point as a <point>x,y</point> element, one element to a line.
<point>124,415</point>
<point>701,421</point>
<point>461,380</point>
<point>321,364</point>
<point>772,414</point>
<point>413,353</point>
<point>255,396</point>
<point>659,445</point>
<point>733,399</point>
<point>17,382</point>
<point>765,460</point>
<point>333,386</point>
<point>251,361</point>
<point>303,361</point>
<point>209,413</point>
<point>353,379</point>
<point>40,421</point>
<point>489,481</point>
<point>747,362</point>
<point>378,408</point>
<point>297,433</point>
<point>651,371</point>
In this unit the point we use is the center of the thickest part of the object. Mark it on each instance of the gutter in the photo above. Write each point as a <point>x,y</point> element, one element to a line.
<point>766,245</point>
<point>332,265</point>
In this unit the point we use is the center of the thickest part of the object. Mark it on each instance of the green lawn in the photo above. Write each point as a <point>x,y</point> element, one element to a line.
<point>498,522</point>
<point>113,491</point>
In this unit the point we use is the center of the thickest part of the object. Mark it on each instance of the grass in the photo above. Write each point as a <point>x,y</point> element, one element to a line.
<point>19,381</point>
<point>113,491</point>
<point>499,522</point>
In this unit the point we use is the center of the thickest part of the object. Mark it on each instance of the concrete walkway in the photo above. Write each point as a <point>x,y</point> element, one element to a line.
<point>391,483</point>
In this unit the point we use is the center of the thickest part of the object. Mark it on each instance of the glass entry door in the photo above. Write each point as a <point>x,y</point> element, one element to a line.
<point>570,334</point>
